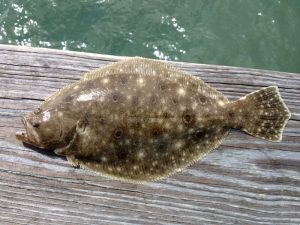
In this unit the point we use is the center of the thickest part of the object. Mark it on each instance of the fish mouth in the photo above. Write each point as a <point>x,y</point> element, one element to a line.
<point>23,135</point>
<point>29,136</point>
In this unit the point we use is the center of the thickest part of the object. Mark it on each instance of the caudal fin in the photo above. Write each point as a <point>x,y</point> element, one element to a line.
<point>261,113</point>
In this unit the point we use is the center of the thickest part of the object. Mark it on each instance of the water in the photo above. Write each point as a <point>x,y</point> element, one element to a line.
<point>247,33</point>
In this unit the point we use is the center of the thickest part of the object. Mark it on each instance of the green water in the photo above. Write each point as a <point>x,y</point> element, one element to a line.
<point>248,33</point>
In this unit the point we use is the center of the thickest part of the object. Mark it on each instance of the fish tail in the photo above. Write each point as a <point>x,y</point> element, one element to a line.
<point>261,113</point>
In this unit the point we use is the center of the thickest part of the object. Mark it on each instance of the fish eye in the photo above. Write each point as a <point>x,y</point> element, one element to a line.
<point>118,133</point>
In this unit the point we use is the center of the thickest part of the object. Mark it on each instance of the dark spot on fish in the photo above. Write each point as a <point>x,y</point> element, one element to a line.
<point>146,167</point>
<point>257,123</point>
<point>155,131</point>
<point>206,115</point>
<point>246,115</point>
<point>166,74</point>
<point>194,85</point>
<point>146,119</point>
<point>153,99</point>
<point>116,97</point>
<point>135,101</point>
<point>121,154</point>
<point>203,99</point>
<point>231,114</point>
<point>102,120</point>
<point>123,80</point>
<point>162,86</point>
<point>199,134</point>
<point>137,124</point>
<point>267,126</point>
<point>162,146</point>
<point>118,133</point>
<point>167,115</point>
<point>188,118</point>
<point>175,101</point>
<point>135,143</point>
<point>69,98</point>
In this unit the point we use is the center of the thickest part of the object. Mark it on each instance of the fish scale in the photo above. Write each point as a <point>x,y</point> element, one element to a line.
<point>140,119</point>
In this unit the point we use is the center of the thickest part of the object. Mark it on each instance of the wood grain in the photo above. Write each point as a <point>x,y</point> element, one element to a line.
<point>245,181</point>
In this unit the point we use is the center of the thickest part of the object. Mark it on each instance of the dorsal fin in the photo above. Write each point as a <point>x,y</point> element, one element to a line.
<point>130,66</point>
<point>149,67</point>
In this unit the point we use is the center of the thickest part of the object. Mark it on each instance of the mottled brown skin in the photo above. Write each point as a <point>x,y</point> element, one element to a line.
<point>141,120</point>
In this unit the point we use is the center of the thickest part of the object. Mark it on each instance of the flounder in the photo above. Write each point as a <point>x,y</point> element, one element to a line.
<point>139,120</point>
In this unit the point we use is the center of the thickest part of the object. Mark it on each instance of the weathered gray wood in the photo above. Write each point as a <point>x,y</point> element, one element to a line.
<point>245,181</point>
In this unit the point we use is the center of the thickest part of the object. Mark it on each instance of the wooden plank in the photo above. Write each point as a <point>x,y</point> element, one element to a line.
<point>245,181</point>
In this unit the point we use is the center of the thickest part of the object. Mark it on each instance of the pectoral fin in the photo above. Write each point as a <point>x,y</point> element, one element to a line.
<point>69,149</point>
<point>77,133</point>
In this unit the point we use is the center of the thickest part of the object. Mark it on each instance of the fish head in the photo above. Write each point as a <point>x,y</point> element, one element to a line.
<point>43,129</point>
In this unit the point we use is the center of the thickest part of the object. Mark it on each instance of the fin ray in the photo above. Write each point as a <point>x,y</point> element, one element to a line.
<point>128,66</point>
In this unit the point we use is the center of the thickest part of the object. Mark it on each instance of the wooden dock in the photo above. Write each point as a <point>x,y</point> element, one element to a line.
<point>245,181</point>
